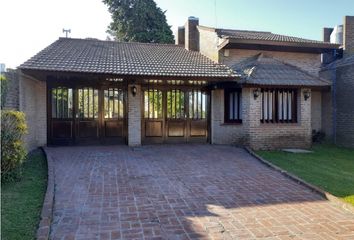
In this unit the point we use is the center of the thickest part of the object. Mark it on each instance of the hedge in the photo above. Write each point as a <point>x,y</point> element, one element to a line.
<point>13,152</point>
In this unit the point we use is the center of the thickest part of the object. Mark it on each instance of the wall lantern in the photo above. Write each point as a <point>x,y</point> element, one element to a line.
<point>307,94</point>
<point>134,90</point>
<point>256,93</point>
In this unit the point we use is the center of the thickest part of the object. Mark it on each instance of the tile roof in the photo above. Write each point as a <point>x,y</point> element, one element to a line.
<point>109,57</point>
<point>263,70</point>
<point>268,36</point>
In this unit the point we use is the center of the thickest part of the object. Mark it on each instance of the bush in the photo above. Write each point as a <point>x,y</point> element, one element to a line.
<point>318,136</point>
<point>13,152</point>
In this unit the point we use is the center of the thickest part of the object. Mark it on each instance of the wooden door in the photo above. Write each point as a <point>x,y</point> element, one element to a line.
<point>87,115</point>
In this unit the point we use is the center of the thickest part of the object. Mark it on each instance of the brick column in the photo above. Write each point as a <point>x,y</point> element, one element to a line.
<point>134,116</point>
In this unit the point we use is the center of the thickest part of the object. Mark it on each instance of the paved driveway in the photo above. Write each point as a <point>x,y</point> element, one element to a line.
<point>184,192</point>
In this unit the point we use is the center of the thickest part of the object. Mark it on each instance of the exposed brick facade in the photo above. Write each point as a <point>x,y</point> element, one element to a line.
<point>348,35</point>
<point>316,110</point>
<point>340,112</point>
<point>134,116</point>
<point>32,101</point>
<point>259,135</point>
<point>12,92</point>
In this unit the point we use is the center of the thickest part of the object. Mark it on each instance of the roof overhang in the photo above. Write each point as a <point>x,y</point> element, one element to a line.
<point>233,43</point>
<point>43,74</point>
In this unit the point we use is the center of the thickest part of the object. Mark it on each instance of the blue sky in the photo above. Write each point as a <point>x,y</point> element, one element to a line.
<point>29,26</point>
<point>301,18</point>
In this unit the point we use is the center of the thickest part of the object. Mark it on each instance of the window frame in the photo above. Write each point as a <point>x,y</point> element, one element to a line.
<point>227,93</point>
<point>275,105</point>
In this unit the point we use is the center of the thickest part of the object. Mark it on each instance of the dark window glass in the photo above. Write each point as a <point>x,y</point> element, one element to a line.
<point>278,105</point>
<point>233,106</point>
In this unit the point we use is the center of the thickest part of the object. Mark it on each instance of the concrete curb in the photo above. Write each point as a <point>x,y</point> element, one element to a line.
<point>314,188</point>
<point>43,230</point>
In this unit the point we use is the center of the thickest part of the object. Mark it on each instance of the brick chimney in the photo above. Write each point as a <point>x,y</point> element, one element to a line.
<point>192,34</point>
<point>180,36</point>
<point>327,34</point>
<point>348,35</point>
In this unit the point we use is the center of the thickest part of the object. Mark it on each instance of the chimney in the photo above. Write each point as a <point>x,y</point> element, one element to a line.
<point>348,35</point>
<point>192,34</point>
<point>180,36</point>
<point>327,34</point>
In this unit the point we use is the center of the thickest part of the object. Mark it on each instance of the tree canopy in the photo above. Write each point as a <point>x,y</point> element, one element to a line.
<point>138,21</point>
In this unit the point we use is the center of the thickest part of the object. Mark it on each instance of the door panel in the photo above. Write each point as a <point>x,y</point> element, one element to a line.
<point>87,115</point>
<point>197,121</point>
<point>114,115</point>
<point>153,123</point>
<point>174,115</point>
<point>61,111</point>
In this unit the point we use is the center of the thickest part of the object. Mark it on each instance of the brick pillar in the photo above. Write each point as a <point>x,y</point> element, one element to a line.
<point>134,116</point>
<point>252,116</point>
<point>304,115</point>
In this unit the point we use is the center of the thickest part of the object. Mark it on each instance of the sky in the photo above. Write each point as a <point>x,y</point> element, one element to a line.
<point>28,26</point>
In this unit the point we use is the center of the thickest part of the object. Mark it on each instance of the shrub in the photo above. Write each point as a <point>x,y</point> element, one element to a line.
<point>318,136</point>
<point>13,152</point>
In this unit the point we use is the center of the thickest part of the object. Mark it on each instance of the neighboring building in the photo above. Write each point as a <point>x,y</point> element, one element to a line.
<point>2,67</point>
<point>215,86</point>
<point>339,103</point>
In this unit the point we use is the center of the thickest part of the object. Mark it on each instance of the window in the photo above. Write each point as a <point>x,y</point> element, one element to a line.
<point>153,103</point>
<point>113,103</point>
<point>233,106</point>
<point>278,105</point>
<point>88,103</point>
<point>197,104</point>
<point>62,102</point>
<point>175,104</point>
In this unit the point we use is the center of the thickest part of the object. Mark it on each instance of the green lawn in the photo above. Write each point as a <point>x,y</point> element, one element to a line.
<point>328,167</point>
<point>21,202</point>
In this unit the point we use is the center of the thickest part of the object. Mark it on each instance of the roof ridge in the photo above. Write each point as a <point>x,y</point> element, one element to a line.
<point>120,42</point>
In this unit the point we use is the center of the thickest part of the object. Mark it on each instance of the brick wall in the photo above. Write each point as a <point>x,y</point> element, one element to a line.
<point>345,106</point>
<point>348,35</point>
<point>306,61</point>
<point>32,101</point>
<point>282,135</point>
<point>222,133</point>
<point>134,116</point>
<point>208,44</point>
<point>316,110</point>
<point>12,92</point>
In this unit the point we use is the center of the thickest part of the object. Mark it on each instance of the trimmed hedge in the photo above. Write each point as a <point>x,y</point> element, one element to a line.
<point>13,152</point>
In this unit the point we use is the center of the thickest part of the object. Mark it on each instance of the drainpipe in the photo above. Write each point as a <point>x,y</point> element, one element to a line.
<point>334,97</point>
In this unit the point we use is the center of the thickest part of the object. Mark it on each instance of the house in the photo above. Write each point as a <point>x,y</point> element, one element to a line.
<point>215,86</point>
<point>339,102</point>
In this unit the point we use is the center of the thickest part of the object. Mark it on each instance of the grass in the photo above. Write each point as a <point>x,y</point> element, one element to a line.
<point>328,167</point>
<point>21,201</point>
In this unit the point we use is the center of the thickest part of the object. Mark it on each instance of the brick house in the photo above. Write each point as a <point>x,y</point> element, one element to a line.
<point>215,86</point>
<point>338,120</point>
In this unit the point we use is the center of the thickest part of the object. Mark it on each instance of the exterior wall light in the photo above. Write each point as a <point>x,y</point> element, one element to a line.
<point>307,94</point>
<point>134,90</point>
<point>256,93</point>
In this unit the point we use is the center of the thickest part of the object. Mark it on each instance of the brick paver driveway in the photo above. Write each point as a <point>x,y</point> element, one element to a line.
<point>184,192</point>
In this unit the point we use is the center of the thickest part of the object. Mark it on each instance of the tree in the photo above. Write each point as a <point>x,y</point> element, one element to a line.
<point>138,21</point>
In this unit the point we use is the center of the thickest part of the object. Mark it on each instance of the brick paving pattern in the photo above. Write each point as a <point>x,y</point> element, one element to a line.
<point>184,192</point>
